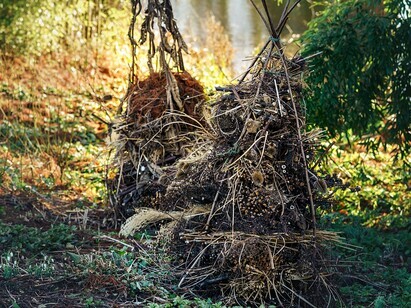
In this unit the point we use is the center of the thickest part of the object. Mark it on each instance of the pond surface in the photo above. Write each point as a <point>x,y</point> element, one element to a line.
<point>242,23</point>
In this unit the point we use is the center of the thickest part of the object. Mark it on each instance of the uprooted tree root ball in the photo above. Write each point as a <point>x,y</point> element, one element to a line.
<point>148,98</point>
<point>153,134</point>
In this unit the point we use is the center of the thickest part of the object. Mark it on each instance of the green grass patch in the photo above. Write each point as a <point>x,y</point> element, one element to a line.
<point>376,219</point>
<point>32,240</point>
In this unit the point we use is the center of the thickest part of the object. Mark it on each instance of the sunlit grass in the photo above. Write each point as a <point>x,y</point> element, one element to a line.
<point>379,196</point>
<point>55,109</point>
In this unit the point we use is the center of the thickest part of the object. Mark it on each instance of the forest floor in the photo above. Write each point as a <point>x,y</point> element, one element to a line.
<point>59,242</point>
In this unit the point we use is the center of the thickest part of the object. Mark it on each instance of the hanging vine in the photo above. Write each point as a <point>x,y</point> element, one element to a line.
<point>158,20</point>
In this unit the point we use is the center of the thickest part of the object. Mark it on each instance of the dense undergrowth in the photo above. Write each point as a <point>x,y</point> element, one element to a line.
<point>374,216</point>
<point>58,239</point>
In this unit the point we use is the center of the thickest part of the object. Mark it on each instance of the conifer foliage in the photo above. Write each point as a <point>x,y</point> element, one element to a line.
<point>360,80</point>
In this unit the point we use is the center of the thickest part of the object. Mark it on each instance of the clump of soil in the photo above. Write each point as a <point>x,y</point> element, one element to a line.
<point>148,99</point>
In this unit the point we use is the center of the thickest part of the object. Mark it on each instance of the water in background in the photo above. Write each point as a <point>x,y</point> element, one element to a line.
<point>242,23</point>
